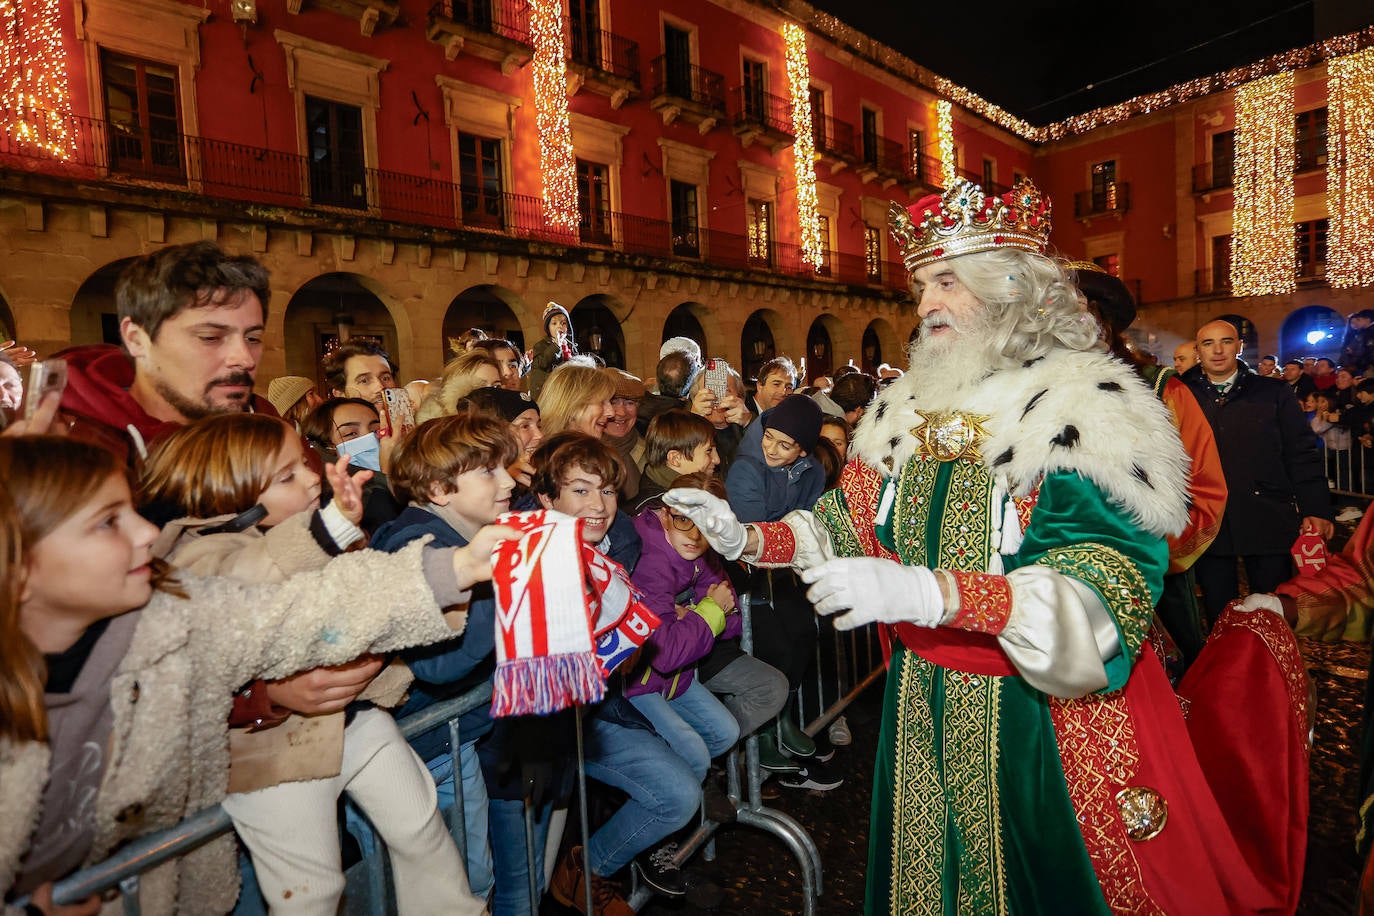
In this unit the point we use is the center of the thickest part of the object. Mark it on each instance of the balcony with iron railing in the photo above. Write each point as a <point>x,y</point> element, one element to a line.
<point>834,140</point>
<point>1111,200</point>
<point>683,90</point>
<point>881,159</point>
<point>1212,176</point>
<point>1311,272</point>
<point>924,172</point>
<point>602,61</point>
<point>762,116</point>
<point>1212,281</point>
<point>494,30</point>
<point>185,170</point>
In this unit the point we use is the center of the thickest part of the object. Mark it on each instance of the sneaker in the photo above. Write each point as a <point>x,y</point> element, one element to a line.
<point>815,776</point>
<point>793,740</point>
<point>1350,514</point>
<point>772,759</point>
<point>566,887</point>
<point>839,733</point>
<point>658,870</point>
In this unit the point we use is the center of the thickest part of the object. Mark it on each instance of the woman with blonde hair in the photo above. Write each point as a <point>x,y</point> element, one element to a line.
<point>463,374</point>
<point>577,396</point>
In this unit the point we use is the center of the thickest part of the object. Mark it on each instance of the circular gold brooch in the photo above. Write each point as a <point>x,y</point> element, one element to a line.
<point>1144,812</point>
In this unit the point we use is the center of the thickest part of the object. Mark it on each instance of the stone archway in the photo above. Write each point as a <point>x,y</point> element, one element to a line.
<point>685,321</point>
<point>820,352</point>
<point>494,309</point>
<point>331,308</point>
<point>757,341</point>
<point>596,327</point>
<point>879,345</point>
<point>94,316</point>
<point>1314,330</point>
<point>8,330</point>
<point>1249,336</point>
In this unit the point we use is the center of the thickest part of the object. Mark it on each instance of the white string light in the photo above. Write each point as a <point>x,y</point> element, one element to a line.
<point>557,160</point>
<point>944,127</point>
<point>1350,170</point>
<point>35,95</point>
<point>804,149</point>
<point>1263,250</point>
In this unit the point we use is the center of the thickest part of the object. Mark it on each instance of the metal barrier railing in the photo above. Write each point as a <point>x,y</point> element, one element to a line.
<point>1349,471</point>
<point>857,663</point>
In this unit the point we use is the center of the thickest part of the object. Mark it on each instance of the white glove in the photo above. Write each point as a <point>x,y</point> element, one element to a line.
<point>713,518</point>
<point>1259,601</point>
<point>874,590</point>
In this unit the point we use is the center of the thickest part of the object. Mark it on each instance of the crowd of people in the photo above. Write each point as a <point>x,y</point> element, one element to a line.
<point>211,596</point>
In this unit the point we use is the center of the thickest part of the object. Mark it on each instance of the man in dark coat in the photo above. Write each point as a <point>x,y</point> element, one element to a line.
<point>1274,475</point>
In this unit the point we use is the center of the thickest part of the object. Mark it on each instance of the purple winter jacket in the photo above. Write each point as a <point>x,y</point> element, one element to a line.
<point>670,656</point>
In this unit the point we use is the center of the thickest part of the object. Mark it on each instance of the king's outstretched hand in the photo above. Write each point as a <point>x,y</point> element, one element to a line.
<point>874,590</point>
<point>713,518</point>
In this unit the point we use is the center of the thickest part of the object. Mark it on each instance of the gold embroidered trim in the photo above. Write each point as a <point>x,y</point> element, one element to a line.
<point>972,708</point>
<point>1273,631</point>
<point>984,602</point>
<point>918,804</point>
<point>1115,577</point>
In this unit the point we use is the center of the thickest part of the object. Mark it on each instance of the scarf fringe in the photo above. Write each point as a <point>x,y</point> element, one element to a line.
<point>543,685</point>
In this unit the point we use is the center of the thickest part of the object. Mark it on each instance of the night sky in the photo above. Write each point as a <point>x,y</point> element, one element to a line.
<point>1036,59</point>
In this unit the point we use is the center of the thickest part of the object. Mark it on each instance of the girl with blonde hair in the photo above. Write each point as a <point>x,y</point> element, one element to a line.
<point>463,375</point>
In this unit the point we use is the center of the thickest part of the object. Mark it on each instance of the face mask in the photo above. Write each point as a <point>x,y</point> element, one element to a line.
<point>366,452</point>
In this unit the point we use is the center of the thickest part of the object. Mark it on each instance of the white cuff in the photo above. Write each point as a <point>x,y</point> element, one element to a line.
<point>344,532</point>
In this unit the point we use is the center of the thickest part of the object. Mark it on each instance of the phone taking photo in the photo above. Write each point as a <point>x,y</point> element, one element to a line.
<point>46,376</point>
<point>716,377</point>
<point>400,413</point>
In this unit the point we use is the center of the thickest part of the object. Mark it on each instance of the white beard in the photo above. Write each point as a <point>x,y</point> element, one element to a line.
<point>946,366</point>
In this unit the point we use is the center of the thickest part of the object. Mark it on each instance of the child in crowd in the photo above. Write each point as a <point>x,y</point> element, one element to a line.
<point>451,473</point>
<point>293,397</point>
<point>553,349</point>
<point>340,420</point>
<point>684,584</point>
<point>118,680</point>
<point>837,431</point>
<point>523,416</point>
<point>676,443</point>
<point>250,506</point>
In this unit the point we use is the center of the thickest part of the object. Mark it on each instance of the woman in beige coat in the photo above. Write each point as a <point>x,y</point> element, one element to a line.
<point>137,740</point>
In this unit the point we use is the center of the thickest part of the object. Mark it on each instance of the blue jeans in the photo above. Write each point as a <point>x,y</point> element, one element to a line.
<point>506,820</point>
<point>664,791</point>
<point>694,723</point>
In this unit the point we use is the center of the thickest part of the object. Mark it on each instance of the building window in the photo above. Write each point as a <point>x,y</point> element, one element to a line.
<point>1223,158</point>
<point>594,202</point>
<point>1111,263</point>
<point>481,200</point>
<point>334,132</point>
<point>989,174</point>
<point>760,217</point>
<point>823,229</point>
<point>584,21</point>
<point>143,117</point>
<point>1311,241</point>
<point>873,254</point>
<point>677,61</point>
<point>818,114</point>
<point>686,238</point>
<point>869,134</point>
<point>1221,263</point>
<point>753,89</point>
<point>916,143</point>
<point>1104,186</point>
<point>1309,139</point>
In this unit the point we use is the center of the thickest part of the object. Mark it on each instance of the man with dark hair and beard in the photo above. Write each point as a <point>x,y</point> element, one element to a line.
<point>191,321</point>
<point>1003,520</point>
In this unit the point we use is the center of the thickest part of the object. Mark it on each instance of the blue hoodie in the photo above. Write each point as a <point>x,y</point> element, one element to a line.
<point>759,493</point>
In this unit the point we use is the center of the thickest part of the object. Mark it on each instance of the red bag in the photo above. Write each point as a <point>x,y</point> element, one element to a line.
<point>1309,553</point>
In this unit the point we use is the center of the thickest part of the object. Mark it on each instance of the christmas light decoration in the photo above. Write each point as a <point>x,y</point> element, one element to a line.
<point>804,149</point>
<point>557,160</point>
<point>1263,251</point>
<point>35,97</point>
<point>944,129</point>
<point>1350,170</point>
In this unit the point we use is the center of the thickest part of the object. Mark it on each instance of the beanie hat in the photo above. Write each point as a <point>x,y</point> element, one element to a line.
<point>681,345</point>
<point>798,417</point>
<point>286,390</point>
<point>509,404</point>
<point>626,385</point>
<point>551,309</point>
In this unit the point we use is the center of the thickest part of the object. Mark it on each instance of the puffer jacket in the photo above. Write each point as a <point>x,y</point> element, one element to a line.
<point>759,493</point>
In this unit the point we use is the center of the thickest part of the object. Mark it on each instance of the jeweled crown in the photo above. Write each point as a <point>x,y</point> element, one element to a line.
<point>964,220</point>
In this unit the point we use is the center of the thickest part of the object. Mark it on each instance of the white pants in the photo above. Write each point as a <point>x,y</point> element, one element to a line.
<point>291,830</point>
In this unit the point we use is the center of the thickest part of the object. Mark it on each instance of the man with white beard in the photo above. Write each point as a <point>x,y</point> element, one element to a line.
<point>1004,519</point>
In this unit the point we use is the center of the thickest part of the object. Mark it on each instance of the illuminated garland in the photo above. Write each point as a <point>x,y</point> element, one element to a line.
<point>557,161</point>
<point>1350,170</point>
<point>804,149</point>
<point>36,106</point>
<point>1263,251</point>
<point>944,129</point>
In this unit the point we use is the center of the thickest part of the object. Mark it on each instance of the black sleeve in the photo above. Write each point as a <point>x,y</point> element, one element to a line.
<point>1301,458</point>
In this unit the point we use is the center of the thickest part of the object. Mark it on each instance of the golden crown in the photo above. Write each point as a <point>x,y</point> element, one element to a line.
<point>964,220</point>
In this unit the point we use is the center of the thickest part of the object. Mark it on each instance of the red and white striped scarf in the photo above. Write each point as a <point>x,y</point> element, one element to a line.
<point>566,615</point>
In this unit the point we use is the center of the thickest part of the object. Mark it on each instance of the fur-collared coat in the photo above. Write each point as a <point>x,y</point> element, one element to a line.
<point>168,754</point>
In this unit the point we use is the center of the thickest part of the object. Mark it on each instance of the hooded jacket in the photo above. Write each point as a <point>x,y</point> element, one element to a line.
<point>98,408</point>
<point>759,493</point>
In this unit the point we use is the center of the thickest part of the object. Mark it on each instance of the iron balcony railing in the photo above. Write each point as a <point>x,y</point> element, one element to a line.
<point>236,172</point>
<point>884,155</point>
<point>1212,281</point>
<point>756,107</point>
<point>1114,198</point>
<point>925,169</point>
<point>505,18</point>
<point>1212,176</point>
<point>602,50</point>
<point>833,138</point>
<point>685,80</point>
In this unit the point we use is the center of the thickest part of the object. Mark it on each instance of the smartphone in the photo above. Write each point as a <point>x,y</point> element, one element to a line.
<point>400,413</point>
<point>49,375</point>
<point>717,377</point>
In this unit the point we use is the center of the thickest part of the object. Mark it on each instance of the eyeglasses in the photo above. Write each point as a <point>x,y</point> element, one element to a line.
<point>680,522</point>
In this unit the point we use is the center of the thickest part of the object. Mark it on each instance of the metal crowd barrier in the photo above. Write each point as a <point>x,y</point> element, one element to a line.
<point>1349,471</point>
<point>847,663</point>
